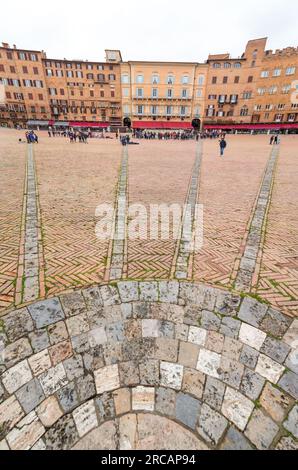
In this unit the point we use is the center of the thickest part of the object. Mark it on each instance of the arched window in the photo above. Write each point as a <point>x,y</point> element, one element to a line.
<point>237,65</point>
<point>217,65</point>
<point>227,65</point>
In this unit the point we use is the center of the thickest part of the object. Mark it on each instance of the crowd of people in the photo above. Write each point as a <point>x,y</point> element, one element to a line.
<point>31,137</point>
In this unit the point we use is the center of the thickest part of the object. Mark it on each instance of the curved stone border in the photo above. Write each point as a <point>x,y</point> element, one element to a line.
<point>222,366</point>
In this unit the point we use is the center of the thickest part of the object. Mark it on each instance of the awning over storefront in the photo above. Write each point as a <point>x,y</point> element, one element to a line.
<point>161,125</point>
<point>89,124</point>
<point>32,122</point>
<point>275,126</point>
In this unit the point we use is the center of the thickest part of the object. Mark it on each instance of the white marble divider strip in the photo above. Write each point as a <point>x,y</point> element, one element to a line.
<point>248,264</point>
<point>31,249</point>
<point>184,248</point>
<point>117,265</point>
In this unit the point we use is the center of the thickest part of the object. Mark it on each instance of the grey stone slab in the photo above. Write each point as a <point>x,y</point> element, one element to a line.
<point>210,321</point>
<point>291,424</point>
<point>105,407</point>
<point>252,384</point>
<point>148,291</point>
<point>230,327</point>
<point>249,357</point>
<point>192,315</point>
<point>74,367</point>
<point>46,312</point>
<point>275,349</point>
<point>167,329</point>
<point>68,398</point>
<point>115,331</point>
<point>287,443</point>
<point>73,303</point>
<point>85,387</point>
<point>289,383</point>
<point>212,425</point>
<point>129,291</point>
<point>261,430</point>
<point>17,324</point>
<point>165,401</point>
<point>187,410</point>
<point>168,291</point>
<point>235,440</point>
<point>214,393</point>
<point>39,340</point>
<point>62,435</point>
<point>275,323</point>
<point>141,310</point>
<point>252,312</point>
<point>30,395</point>
<point>149,372</point>
<point>230,372</point>
<point>227,303</point>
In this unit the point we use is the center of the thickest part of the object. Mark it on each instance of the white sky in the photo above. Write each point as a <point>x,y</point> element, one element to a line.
<point>182,30</point>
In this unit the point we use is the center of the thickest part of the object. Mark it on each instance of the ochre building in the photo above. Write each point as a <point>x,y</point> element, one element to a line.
<point>257,90</point>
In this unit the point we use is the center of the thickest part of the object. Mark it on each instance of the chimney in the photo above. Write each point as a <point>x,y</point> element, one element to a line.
<point>14,46</point>
<point>6,45</point>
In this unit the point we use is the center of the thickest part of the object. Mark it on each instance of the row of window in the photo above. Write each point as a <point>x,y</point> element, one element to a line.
<point>225,98</point>
<point>211,112</point>
<point>23,56</point>
<point>54,92</point>
<point>270,107</point>
<point>227,65</point>
<point>225,79</point>
<point>285,89</point>
<point>25,70</point>
<point>70,65</point>
<point>154,93</point>
<point>277,72</point>
<point>101,77</point>
<point>18,83</point>
<point>155,79</point>
<point>161,110</point>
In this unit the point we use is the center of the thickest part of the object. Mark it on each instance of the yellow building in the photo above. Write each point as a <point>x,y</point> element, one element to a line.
<point>163,94</point>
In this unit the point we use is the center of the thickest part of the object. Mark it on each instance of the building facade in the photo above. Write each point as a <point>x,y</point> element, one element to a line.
<point>166,95</point>
<point>258,90</point>
<point>48,91</point>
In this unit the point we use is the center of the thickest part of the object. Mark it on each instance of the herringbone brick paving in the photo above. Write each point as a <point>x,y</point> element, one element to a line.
<point>278,277</point>
<point>12,173</point>
<point>74,179</point>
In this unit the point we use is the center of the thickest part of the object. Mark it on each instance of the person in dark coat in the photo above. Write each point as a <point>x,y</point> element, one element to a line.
<point>222,146</point>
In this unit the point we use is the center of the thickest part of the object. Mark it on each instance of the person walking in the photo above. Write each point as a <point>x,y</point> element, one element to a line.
<point>272,140</point>
<point>222,146</point>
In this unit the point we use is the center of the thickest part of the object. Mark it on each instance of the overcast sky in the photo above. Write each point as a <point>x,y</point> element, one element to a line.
<point>182,30</point>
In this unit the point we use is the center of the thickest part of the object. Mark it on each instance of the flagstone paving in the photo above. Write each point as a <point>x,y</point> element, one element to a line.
<point>121,367</point>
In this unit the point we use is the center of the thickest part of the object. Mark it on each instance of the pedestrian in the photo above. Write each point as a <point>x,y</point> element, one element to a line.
<point>222,145</point>
<point>272,139</point>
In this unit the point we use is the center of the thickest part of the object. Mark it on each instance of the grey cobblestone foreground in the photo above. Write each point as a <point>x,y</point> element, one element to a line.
<point>185,249</point>
<point>248,263</point>
<point>114,366</point>
<point>118,254</point>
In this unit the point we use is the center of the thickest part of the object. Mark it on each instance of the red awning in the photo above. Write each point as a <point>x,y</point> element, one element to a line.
<point>88,124</point>
<point>161,125</point>
<point>276,126</point>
